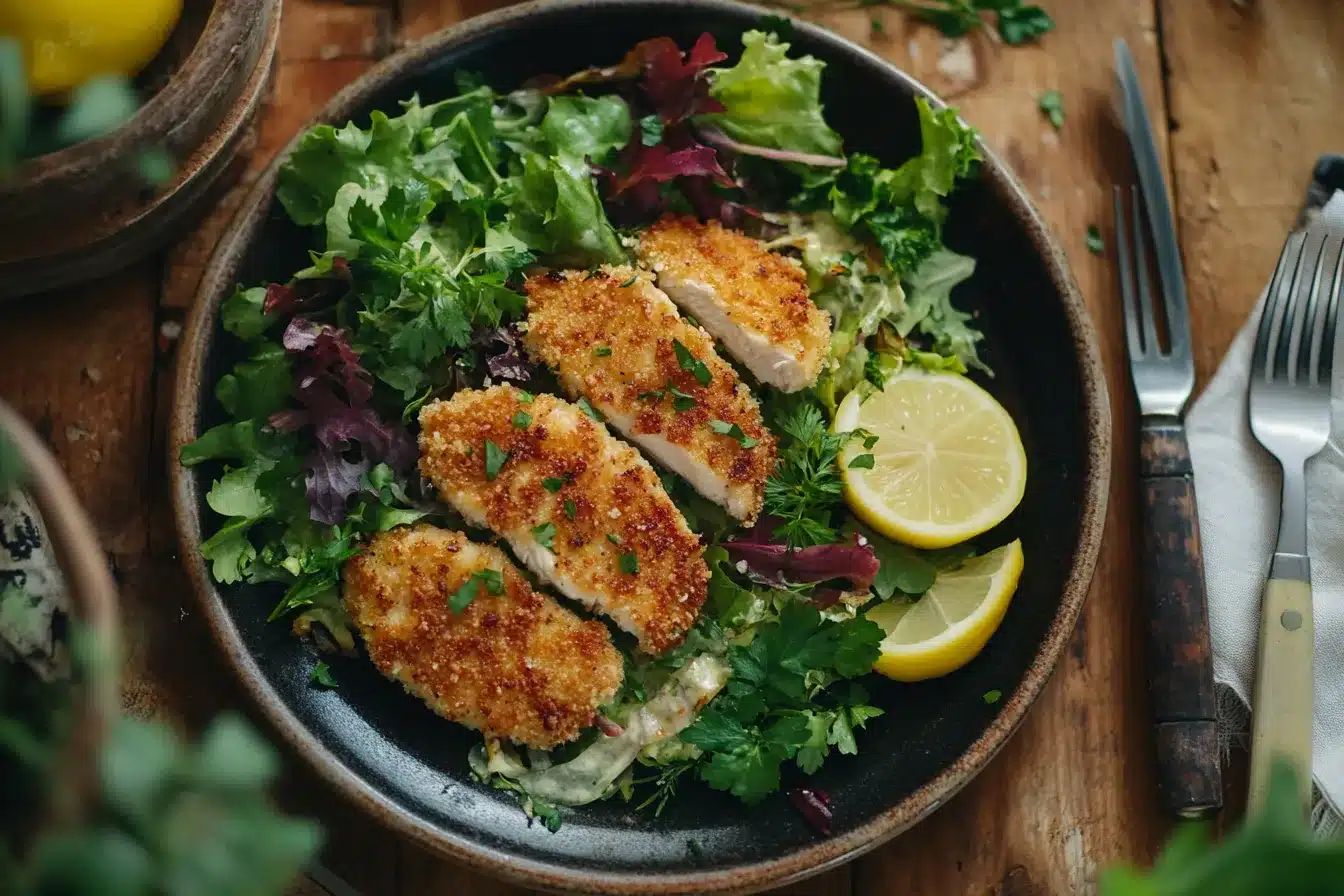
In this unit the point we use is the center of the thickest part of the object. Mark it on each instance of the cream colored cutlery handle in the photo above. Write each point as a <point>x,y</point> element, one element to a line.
<point>1283,687</point>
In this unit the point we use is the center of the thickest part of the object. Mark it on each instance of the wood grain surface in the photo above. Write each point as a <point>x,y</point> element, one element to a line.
<point>1245,108</point>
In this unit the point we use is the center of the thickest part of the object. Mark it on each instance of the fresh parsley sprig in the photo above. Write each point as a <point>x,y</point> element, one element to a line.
<point>806,489</point>
<point>1018,23</point>
<point>776,708</point>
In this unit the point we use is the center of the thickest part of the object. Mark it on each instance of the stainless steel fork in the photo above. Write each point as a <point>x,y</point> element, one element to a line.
<point>1289,401</point>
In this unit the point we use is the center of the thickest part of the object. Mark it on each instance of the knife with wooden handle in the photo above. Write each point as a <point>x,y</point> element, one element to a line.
<point>1179,655</point>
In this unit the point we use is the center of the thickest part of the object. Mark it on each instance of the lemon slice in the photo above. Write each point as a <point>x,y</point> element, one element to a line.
<point>948,463</point>
<point>948,626</point>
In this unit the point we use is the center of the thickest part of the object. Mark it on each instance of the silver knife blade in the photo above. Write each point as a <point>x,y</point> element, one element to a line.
<point>1152,185</point>
<point>328,881</point>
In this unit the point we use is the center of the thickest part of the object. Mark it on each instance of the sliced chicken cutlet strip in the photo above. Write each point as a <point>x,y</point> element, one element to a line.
<point>583,510</point>
<point>754,301</point>
<point>612,337</point>
<point>514,665</point>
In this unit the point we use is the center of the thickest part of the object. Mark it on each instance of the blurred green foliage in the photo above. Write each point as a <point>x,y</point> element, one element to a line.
<point>1272,852</point>
<point>95,108</point>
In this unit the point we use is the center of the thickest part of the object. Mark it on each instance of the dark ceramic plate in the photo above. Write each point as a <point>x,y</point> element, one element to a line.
<point>388,752</point>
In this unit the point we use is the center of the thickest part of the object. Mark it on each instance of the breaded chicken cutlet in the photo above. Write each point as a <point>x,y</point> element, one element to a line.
<point>617,340</point>
<point>754,301</point>
<point>581,509</point>
<point>513,664</point>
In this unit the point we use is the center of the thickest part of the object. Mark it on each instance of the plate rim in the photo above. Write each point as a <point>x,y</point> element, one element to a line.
<point>807,861</point>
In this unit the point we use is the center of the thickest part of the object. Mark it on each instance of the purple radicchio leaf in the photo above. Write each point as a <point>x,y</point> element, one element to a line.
<point>815,806</point>
<point>504,355</point>
<point>334,390</point>
<point>330,480</point>
<point>310,293</point>
<point>774,561</point>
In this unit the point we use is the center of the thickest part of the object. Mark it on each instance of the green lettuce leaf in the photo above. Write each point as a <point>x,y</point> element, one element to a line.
<point>771,100</point>
<point>576,127</point>
<point>902,208</point>
<point>929,307</point>
<point>559,214</point>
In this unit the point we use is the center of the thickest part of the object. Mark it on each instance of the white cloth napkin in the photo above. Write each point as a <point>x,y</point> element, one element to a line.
<point>1237,487</point>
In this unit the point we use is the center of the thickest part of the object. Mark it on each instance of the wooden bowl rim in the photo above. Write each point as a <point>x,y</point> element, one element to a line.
<point>79,554</point>
<point>229,20</point>
<point>218,281</point>
<point>150,225</point>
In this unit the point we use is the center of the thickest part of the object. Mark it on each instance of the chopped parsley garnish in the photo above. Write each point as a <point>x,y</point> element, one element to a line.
<point>681,402</point>
<point>690,363</point>
<point>489,579</point>
<point>522,420</point>
<point>630,282</point>
<point>613,538</point>
<point>629,563</point>
<point>321,675</point>
<point>602,351</point>
<point>544,534</point>
<point>862,462</point>
<point>571,509</point>
<point>1095,244</point>
<point>494,459</point>
<point>994,696</point>
<point>1052,104</point>
<point>733,431</point>
<point>525,397</point>
<point>552,484</point>
<point>590,410</point>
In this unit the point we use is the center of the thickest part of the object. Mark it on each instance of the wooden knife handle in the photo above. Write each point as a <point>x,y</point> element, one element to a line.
<point>1179,655</point>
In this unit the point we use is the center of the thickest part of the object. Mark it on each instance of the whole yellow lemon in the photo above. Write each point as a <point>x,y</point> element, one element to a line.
<point>67,42</point>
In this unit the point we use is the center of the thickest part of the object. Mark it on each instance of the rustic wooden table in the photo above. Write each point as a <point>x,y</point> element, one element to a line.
<point>1246,90</point>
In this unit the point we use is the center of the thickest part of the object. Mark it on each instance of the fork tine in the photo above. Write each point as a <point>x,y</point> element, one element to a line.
<point>1144,291</point>
<point>1128,301</point>
<point>1306,282</point>
<point>1324,366</point>
<point>1316,314</point>
<point>1322,278</point>
<point>1283,273</point>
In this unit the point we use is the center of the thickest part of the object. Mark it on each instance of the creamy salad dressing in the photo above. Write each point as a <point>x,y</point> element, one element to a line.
<point>588,776</point>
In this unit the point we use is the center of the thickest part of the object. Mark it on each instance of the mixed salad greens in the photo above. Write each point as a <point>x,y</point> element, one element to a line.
<point>423,223</point>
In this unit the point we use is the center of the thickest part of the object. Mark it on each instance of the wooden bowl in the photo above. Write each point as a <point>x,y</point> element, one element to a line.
<point>93,603</point>
<point>389,754</point>
<point>82,212</point>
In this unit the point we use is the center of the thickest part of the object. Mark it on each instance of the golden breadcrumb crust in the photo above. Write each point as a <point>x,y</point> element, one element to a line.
<point>611,334</point>
<point>607,503</point>
<point>513,665</point>
<point>759,290</point>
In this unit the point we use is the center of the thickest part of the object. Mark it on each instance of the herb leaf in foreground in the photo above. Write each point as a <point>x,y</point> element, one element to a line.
<point>1274,851</point>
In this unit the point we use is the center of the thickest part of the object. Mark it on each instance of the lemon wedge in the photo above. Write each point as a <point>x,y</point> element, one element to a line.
<point>67,42</point>
<point>946,627</point>
<point>948,463</point>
